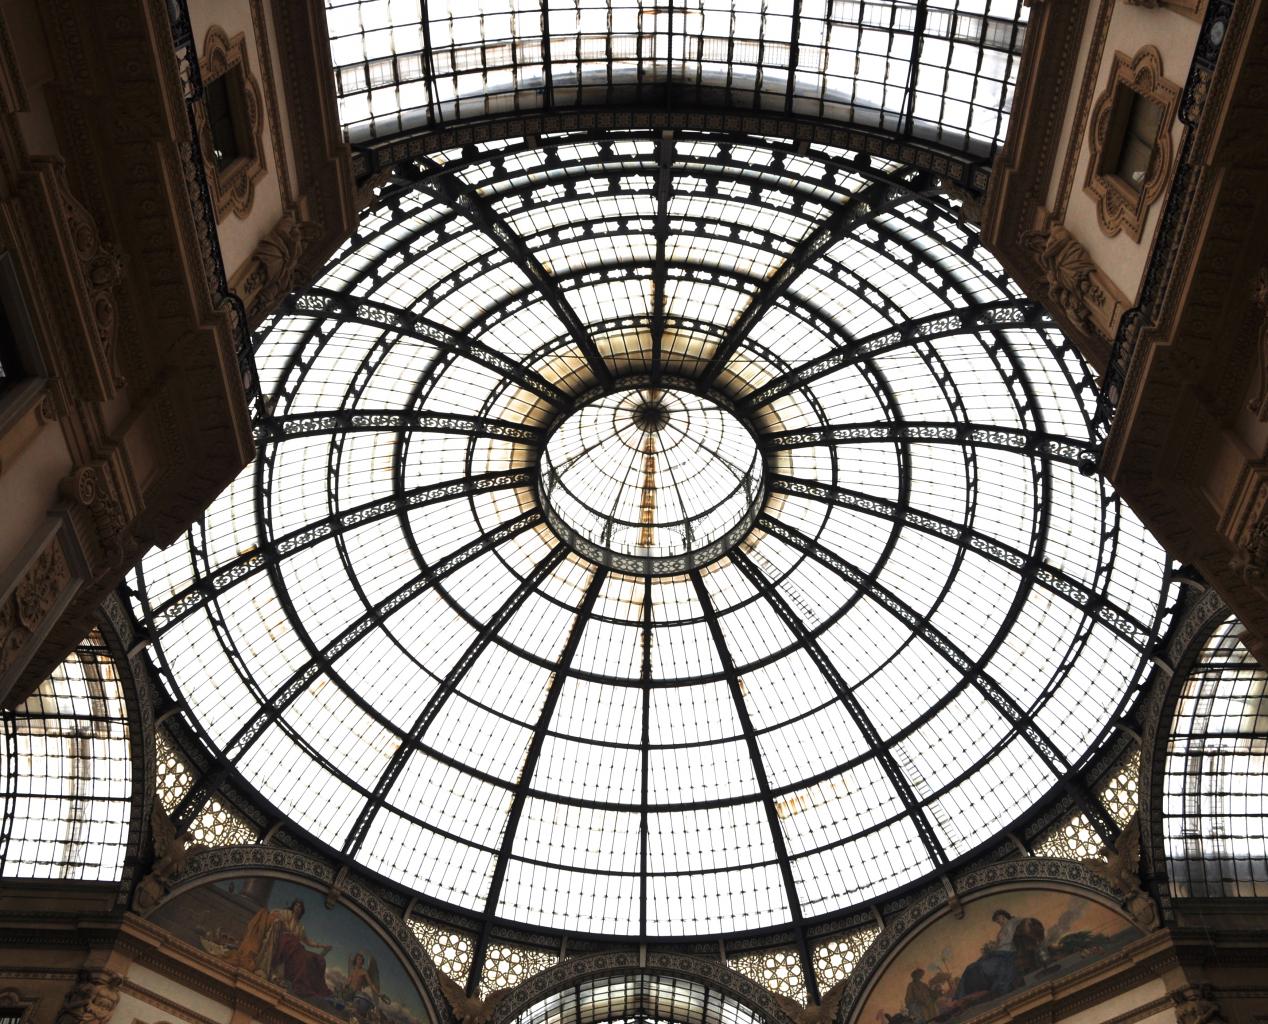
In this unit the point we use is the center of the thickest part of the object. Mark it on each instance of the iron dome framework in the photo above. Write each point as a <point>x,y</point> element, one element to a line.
<point>935,618</point>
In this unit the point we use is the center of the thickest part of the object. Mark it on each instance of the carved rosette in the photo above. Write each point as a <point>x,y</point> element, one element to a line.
<point>23,612</point>
<point>1120,207</point>
<point>232,187</point>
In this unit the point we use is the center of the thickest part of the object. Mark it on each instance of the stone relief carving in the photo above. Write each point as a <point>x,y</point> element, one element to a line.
<point>970,202</point>
<point>1069,272</point>
<point>1251,560</point>
<point>1195,1004</point>
<point>92,488</point>
<point>23,611</point>
<point>232,187</point>
<point>1259,295</point>
<point>14,1004</point>
<point>468,1009</point>
<point>100,264</point>
<point>1120,207</point>
<point>93,998</point>
<point>172,851</point>
<point>1121,869</point>
<point>275,268</point>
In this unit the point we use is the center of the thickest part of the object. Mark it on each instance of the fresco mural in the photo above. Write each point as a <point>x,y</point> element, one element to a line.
<point>1003,944</point>
<point>283,932</point>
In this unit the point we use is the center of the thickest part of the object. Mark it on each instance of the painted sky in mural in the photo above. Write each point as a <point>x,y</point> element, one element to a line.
<point>1003,944</point>
<point>283,932</point>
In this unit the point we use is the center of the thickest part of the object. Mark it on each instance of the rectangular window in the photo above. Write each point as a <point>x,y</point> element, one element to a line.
<point>1136,121</point>
<point>227,117</point>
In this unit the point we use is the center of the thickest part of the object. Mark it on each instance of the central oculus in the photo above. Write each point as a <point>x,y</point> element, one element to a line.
<point>651,480</point>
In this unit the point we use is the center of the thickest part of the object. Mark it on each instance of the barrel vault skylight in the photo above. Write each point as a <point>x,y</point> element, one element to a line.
<point>942,71</point>
<point>659,535</point>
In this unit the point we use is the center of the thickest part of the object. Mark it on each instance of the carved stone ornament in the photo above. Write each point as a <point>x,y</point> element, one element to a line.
<point>970,202</point>
<point>1121,869</point>
<point>1069,272</point>
<point>232,187</point>
<point>93,998</point>
<point>1251,560</point>
<point>14,1005</point>
<point>23,611</point>
<point>468,1009</point>
<point>1259,294</point>
<point>1195,1004</point>
<point>91,487</point>
<point>172,851</point>
<point>276,266</point>
<point>100,266</point>
<point>1120,206</point>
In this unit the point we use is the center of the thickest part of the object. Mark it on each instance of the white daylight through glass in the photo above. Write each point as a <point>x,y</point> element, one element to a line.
<point>437,629</point>
<point>651,479</point>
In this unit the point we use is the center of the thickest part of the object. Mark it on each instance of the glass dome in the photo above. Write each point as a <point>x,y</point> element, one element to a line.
<point>651,480</point>
<point>906,614</point>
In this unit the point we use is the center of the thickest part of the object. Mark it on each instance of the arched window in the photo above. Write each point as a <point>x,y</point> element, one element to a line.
<point>66,773</point>
<point>1215,809</point>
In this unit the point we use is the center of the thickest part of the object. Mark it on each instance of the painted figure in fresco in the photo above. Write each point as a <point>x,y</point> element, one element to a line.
<point>1004,960</point>
<point>361,990</point>
<point>276,946</point>
<point>921,1000</point>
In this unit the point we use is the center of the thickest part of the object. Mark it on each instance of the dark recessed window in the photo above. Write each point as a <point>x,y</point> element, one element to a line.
<point>12,366</point>
<point>227,117</point>
<point>1138,120</point>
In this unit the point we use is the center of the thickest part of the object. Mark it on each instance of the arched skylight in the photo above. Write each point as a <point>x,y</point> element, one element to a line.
<point>641,998</point>
<point>1215,790</point>
<point>66,773</point>
<point>932,620</point>
<point>941,70</point>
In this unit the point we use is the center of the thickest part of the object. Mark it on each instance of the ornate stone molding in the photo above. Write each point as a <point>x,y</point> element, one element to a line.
<point>1119,207</point>
<point>90,312</point>
<point>92,999</point>
<point>24,611</point>
<point>232,187</point>
<point>14,1004</point>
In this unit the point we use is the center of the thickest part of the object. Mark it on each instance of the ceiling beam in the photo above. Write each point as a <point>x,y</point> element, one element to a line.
<point>1057,447</point>
<point>357,310</point>
<point>865,205</point>
<point>1010,314</point>
<point>447,687</point>
<point>763,783</point>
<point>1025,565</point>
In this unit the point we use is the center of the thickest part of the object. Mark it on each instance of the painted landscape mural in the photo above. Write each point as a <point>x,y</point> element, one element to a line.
<point>1002,945</point>
<point>283,932</point>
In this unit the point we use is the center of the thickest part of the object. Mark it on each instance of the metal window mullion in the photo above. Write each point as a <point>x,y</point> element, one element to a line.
<point>447,687</point>
<point>763,783</point>
<point>531,756</point>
